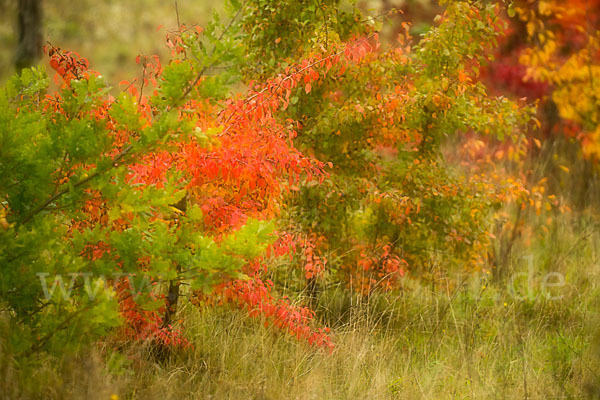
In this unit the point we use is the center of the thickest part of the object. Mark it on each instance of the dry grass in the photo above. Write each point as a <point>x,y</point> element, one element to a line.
<point>446,341</point>
<point>474,341</point>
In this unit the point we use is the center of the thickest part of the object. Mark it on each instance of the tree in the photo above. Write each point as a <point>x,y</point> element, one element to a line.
<point>391,202</point>
<point>30,41</point>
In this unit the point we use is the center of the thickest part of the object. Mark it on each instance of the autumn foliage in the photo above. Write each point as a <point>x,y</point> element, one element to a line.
<point>329,161</point>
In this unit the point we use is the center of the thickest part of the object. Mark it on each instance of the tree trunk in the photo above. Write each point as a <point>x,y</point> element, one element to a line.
<point>29,48</point>
<point>171,303</point>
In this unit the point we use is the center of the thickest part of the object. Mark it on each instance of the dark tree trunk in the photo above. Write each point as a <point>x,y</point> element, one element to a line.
<point>173,293</point>
<point>171,303</point>
<point>29,48</point>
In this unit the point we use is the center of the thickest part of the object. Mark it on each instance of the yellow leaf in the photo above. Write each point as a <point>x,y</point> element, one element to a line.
<point>530,28</point>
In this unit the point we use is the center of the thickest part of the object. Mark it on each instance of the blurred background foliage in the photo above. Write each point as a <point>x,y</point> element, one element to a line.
<point>109,33</point>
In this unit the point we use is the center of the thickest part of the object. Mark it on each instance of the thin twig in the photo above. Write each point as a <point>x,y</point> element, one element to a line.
<point>42,342</point>
<point>200,74</point>
<point>286,78</point>
<point>55,196</point>
<point>177,14</point>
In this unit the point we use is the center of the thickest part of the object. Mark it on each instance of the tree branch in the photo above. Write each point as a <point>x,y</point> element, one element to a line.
<point>82,182</point>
